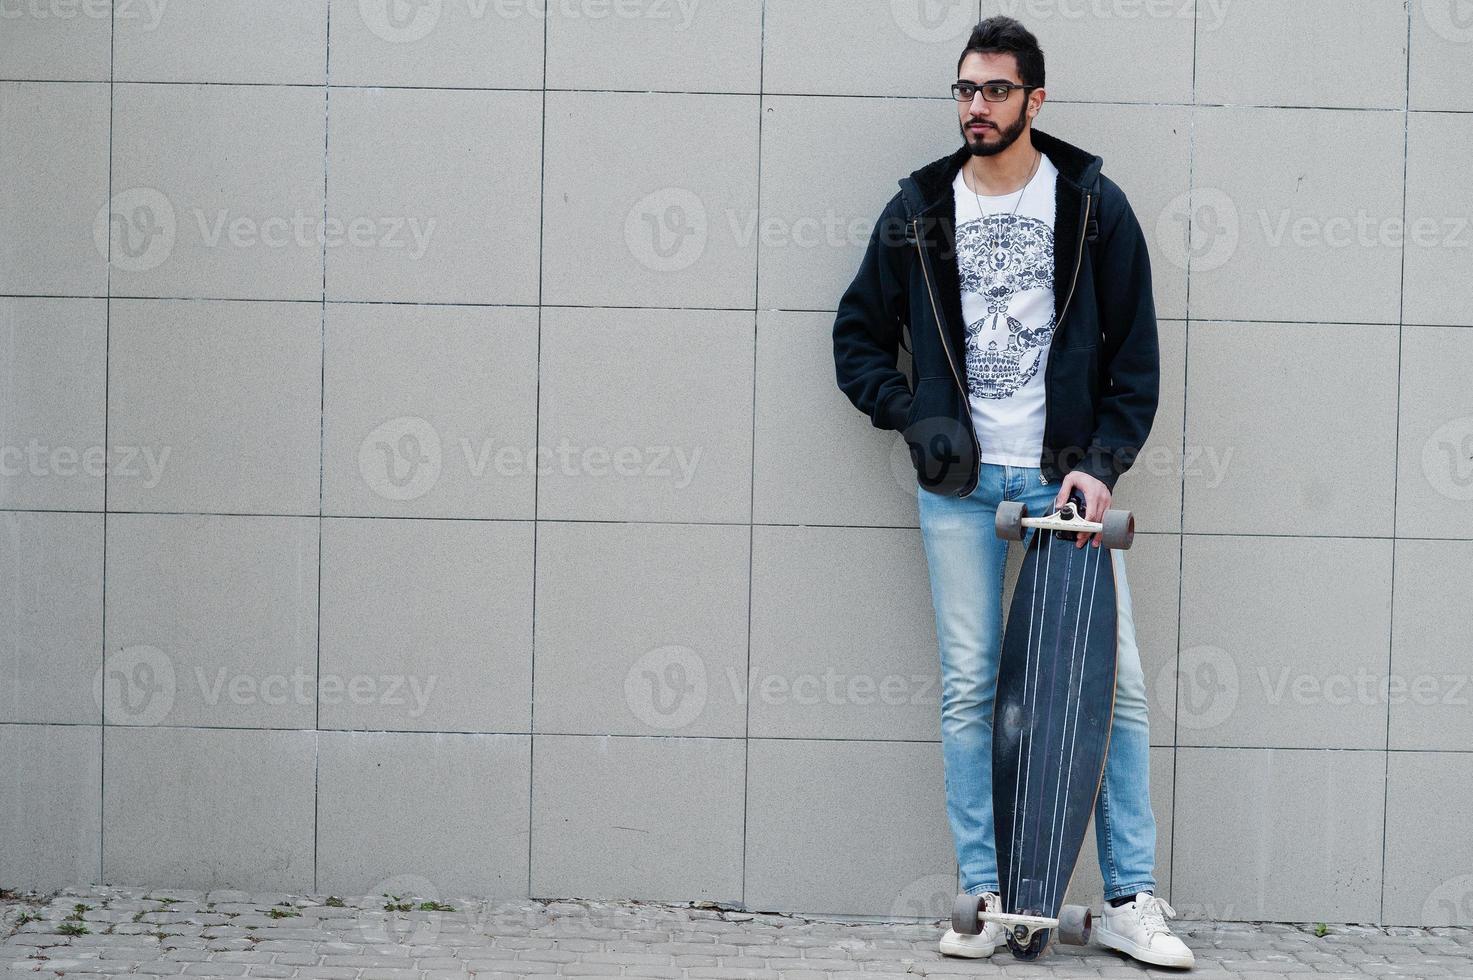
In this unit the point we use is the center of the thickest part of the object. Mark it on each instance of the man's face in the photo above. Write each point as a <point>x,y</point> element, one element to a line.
<point>991,127</point>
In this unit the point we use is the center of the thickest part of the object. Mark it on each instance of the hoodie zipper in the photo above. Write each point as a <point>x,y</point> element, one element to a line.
<point>1078,261</point>
<point>946,346</point>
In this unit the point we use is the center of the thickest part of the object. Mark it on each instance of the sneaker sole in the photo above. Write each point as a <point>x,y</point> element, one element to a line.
<point>1122,945</point>
<point>967,950</point>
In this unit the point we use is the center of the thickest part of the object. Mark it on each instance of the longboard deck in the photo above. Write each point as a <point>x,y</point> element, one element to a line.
<point>1051,722</point>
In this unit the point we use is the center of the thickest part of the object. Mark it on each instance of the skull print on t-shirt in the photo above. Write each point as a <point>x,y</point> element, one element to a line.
<point>1005,262</point>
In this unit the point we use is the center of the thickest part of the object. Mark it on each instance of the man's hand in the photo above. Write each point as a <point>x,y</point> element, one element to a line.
<point>1096,501</point>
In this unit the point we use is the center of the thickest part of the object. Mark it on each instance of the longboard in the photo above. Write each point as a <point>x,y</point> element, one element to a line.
<point>1051,721</point>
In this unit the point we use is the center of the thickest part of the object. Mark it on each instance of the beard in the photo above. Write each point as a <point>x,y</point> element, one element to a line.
<point>1006,138</point>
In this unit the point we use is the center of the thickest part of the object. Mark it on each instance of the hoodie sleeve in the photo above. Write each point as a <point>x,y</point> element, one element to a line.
<point>1130,359</point>
<point>868,323</point>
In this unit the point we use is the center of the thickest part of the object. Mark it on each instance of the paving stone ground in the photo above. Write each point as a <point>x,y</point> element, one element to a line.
<point>109,932</point>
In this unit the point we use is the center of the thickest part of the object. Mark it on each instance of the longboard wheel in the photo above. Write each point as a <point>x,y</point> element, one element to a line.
<point>1075,922</point>
<point>1119,529</point>
<point>964,914</point>
<point>1010,514</point>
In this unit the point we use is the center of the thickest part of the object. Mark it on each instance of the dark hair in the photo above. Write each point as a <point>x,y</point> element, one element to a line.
<point>1005,35</point>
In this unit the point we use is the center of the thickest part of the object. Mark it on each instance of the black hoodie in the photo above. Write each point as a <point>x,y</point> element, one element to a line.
<point>1103,372</point>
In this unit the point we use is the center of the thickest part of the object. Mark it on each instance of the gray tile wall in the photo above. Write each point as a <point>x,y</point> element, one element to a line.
<point>423,469</point>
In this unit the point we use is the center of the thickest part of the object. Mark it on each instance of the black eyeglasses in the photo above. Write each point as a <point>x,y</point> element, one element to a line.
<point>997,91</point>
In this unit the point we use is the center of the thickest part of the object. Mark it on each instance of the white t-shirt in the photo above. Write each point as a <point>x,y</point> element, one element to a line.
<point>1006,263</point>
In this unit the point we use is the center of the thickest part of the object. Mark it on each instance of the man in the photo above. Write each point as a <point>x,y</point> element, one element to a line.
<point>1022,274</point>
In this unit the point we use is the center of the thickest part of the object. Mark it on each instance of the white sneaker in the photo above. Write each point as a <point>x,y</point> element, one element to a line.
<point>1138,928</point>
<point>954,943</point>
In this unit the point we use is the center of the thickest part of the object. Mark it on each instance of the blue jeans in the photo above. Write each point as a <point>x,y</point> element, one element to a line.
<point>966,561</point>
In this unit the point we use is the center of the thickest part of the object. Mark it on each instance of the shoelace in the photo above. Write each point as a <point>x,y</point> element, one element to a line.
<point>1153,914</point>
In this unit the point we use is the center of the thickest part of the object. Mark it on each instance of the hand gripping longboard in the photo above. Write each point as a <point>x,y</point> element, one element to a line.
<point>1051,721</point>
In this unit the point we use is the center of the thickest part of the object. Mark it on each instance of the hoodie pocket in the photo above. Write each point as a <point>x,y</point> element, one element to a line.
<point>938,435</point>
